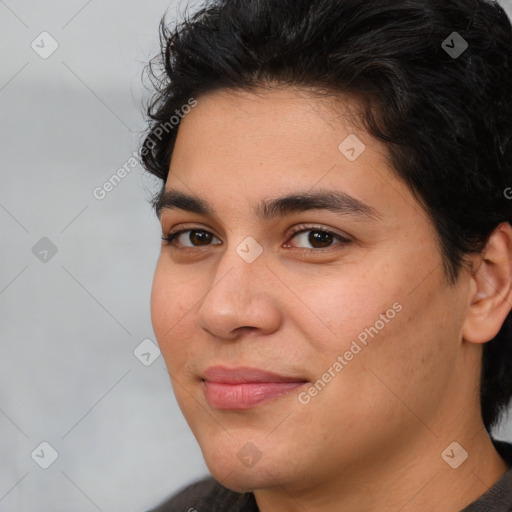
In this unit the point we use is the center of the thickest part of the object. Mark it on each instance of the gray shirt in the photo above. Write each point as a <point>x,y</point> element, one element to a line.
<point>208,495</point>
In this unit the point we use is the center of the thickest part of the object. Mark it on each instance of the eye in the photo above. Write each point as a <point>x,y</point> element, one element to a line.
<point>317,237</point>
<point>195,238</point>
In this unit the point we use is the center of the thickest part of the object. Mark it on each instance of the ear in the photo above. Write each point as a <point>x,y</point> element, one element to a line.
<point>490,298</point>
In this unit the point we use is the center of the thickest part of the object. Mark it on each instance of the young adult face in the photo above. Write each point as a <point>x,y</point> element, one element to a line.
<point>243,291</point>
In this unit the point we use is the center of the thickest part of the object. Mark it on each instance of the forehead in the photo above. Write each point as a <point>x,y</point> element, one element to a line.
<point>238,145</point>
<point>264,135</point>
<point>275,110</point>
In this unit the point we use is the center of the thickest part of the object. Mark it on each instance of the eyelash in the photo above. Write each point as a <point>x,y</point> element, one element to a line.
<point>170,238</point>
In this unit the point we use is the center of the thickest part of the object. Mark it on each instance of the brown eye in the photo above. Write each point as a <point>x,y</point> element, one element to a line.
<point>320,239</point>
<point>317,238</point>
<point>190,238</point>
<point>200,237</point>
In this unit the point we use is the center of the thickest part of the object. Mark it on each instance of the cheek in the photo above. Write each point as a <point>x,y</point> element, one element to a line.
<point>169,307</point>
<point>340,306</point>
<point>408,365</point>
<point>175,297</point>
<point>161,308</point>
<point>382,323</point>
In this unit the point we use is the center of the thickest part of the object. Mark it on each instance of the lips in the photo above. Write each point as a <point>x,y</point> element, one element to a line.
<point>245,387</point>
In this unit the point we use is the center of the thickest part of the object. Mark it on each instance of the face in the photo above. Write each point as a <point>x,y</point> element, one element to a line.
<point>306,337</point>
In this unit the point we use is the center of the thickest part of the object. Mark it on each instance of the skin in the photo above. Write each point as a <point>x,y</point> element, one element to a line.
<point>372,438</point>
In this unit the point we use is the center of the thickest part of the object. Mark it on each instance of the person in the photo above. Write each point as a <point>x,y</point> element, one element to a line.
<point>333,293</point>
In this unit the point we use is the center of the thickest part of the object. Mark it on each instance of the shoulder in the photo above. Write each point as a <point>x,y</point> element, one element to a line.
<point>208,494</point>
<point>499,497</point>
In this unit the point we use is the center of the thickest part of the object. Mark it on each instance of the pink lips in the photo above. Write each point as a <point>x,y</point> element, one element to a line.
<point>244,387</point>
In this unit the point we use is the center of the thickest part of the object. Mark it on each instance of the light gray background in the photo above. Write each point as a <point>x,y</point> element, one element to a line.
<point>69,326</point>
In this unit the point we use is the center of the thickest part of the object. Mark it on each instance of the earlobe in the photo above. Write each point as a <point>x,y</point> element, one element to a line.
<point>490,298</point>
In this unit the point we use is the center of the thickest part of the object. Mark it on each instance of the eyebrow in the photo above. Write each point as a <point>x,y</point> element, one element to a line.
<point>298,202</point>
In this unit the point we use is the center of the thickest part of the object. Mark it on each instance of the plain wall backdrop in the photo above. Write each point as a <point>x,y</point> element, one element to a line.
<point>76,267</point>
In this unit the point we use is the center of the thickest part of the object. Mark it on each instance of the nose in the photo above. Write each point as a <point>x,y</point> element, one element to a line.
<point>242,296</point>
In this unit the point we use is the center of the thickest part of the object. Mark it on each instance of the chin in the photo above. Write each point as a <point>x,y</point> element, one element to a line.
<point>242,479</point>
<point>240,469</point>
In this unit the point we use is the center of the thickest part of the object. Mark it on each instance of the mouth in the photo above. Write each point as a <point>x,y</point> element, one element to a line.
<point>245,387</point>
